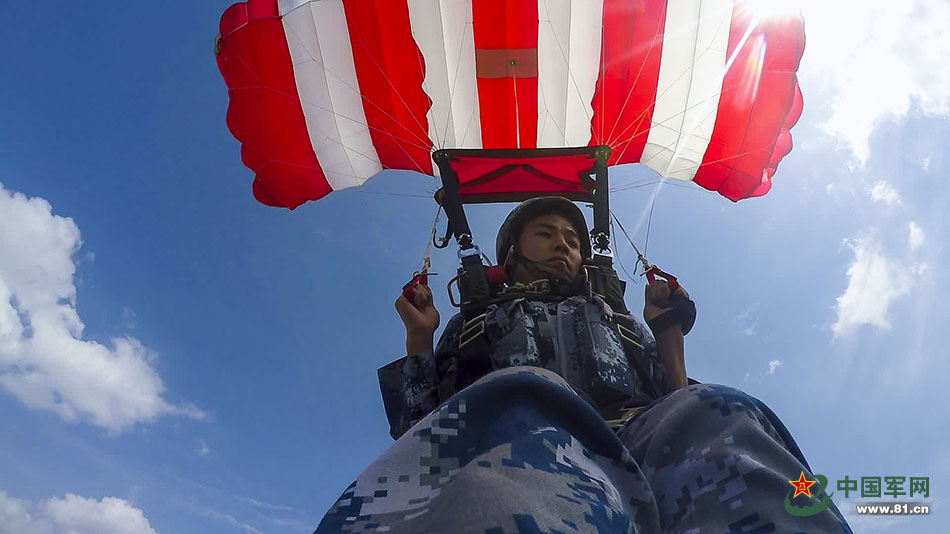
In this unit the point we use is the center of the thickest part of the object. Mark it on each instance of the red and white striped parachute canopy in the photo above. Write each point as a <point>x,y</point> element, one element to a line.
<point>324,94</point>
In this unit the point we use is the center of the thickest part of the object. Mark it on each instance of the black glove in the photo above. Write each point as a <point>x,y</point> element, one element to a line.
<point>682,312</point>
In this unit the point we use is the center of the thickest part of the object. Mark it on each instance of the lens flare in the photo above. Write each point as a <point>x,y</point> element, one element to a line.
<point>767,9</point>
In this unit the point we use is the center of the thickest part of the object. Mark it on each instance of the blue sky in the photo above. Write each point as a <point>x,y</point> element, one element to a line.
<point>176,358</point>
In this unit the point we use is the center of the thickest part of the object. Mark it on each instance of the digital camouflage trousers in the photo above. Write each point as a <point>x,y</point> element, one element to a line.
<point>519,452</point>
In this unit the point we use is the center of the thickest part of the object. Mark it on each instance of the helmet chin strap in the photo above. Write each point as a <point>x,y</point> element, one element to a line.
<point>558,284</point>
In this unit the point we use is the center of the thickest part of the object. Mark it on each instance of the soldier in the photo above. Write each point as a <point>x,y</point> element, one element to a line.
<point>551,412</point>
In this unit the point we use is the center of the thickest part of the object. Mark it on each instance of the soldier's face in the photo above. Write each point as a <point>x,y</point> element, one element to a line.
<point>552,243</point>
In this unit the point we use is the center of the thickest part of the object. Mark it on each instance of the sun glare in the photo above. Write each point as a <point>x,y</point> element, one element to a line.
<point>765,9</point>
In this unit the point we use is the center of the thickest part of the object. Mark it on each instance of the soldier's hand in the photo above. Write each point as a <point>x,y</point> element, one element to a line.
<point>655,297</point>
<point>420,317</point>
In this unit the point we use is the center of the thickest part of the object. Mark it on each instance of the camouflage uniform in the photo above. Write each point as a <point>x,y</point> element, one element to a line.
<point>576,337</point>
<point>525,449</point>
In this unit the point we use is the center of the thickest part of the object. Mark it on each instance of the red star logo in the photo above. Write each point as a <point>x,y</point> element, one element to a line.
<point>802,485</point>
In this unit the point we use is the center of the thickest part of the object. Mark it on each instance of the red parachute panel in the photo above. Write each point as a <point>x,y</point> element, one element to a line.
<point>264,112</point>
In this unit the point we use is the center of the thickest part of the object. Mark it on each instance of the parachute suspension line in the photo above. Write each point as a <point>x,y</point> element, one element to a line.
<point>688,69</point>
<point>437,142</point>
<point>432,237</point>
<point>705,101</point>
<point>567,63</point>
<point>636,134</point>
<point>455,81</point>
<point>471,121</point>
<point>629,94</point>
<point>681,115</point>
<point>603,97</point>
<point>514,90</point>
<point>416,142</point>
<point>673,183</point>
<point>350,119</point>
<point>722,76</point>
<point>334,113</point>
<point>422,275</point>
<point>646,244</point>
<point>547,114</point>
<point>679,137</point>
<point>387,193</point>
<point>701,102</point>
<point>688,187</point>
<point>358,179</point>
<point>630,277</point>
<point>674,116</point>
<point>733,156</point>
<point>640,257</point>
<point>392,86</point>
<point>635,185</point>
<point>340,79</point>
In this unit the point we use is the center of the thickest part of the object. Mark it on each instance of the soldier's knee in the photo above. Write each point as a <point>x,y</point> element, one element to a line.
<point>741,409</point>
<point>726,399</point>
<point>717,402</point>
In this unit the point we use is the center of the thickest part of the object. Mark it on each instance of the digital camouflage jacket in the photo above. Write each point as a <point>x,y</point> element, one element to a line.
<point>578,338</point>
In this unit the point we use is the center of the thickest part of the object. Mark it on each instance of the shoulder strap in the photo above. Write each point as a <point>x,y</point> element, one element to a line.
<point>605,282</point>
<point>636,355</point>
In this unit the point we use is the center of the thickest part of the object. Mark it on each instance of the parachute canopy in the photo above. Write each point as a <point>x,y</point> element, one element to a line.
<point>325,94</point>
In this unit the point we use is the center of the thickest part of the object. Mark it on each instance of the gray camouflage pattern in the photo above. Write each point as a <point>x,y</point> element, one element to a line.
<point>576,338</point>
<point>519,451</point>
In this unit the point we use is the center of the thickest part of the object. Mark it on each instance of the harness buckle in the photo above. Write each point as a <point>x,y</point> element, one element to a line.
<point>628,335</point>
<point>471,329</point>
<point>627,415</point>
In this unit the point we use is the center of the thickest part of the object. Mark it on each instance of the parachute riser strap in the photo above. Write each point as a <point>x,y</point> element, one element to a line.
<point>443,242</point>
<point>472,279</point>
<point>600,233</point>
<point>605,282</point>
<point>451,203</point>
<point>474,291</point>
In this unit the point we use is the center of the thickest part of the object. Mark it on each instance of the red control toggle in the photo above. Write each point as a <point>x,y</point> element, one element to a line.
<point>655,271</point>
<point>417,278</point>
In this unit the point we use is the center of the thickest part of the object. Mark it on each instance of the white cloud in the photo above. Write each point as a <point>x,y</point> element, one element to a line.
<point>203,449</point>
<point>875,58</point>
<point>868,524</point>
<point>874,283</point>
<point>883,192</point>
<point>230,520</point>
<point>129,315</point>
<point>44,360</point>
<point>71,515</point>
<point>773,365</point>
<point>925,163</point>
<point>747,321</point>
<point>916,237</point>
<point>284,518</point>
